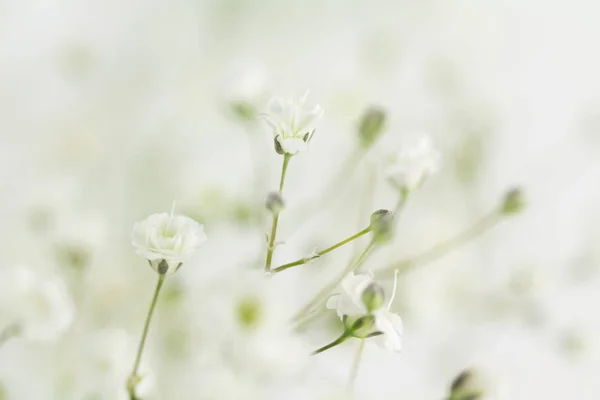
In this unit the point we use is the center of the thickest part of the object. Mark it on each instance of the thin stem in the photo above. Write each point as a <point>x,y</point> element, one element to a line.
<point>286,161</point>
<point>273,235</point>
<point>133,378</point>
<point>336,342</point>
<point>445,247</point>
<point>323,293</point>
<point>355,365</point>
<point>323,252</point>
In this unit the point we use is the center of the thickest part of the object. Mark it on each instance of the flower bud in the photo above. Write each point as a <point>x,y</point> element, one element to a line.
<point>249,312</point>
<point>363,327</point>
<point>382,225</point>
<point>243,110</point>
<point>373,297</point>
<point>466,386</point>
<point>275,202</point>
<point>514,202</point>
<point>371,126</point>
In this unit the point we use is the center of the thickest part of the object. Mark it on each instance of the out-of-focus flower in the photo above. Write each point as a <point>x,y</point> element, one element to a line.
<point>245,321</point>
<point>169,238</point>
<point>293,122</point>
<point>408,168</point>
<point>100,361</point>
<point>38,306</point>
<point>350,302</point>
<point>78,237</point>
<point>371,126</point>
<point>468,385</point>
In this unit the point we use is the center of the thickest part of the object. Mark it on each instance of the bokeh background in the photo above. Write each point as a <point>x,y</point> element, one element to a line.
<point>111,110</point>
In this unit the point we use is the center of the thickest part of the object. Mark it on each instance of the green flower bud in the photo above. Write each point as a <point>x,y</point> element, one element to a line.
<point>382,225</point>
<point>363,327</point>
<point>371,126</point>
<point>243,110</point>
<point>466,386</point>
<point>373,297</point>
<point>249,312</point>
<point>275,202</point>
<point>514,202</point>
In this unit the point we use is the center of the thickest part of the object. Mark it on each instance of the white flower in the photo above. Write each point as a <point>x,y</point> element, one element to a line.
<point>350,303</point>
<point>292,122</point>
<point>408,168</point>
<point>37,306</point>
<point>168,237</point>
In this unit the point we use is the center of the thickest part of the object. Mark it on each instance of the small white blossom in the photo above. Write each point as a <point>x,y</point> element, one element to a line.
<point>408,168</point>
<point>350,303</point>
<point>293,122</point>
<point>37,306</point>
<point>168,237</point>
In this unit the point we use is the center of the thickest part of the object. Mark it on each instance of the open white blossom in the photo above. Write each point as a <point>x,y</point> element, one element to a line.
<point>293,122</point>
<point>350,302</point>
<point>168,237</point>
<point>408,168</point>
<point>37,306</point>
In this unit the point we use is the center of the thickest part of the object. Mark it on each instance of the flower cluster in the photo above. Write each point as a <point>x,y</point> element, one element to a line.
<point>254,329</point>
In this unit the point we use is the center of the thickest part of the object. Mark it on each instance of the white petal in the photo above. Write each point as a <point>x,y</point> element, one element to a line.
<point>390,325</point>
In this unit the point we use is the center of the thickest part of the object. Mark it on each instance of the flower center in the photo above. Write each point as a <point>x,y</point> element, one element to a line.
<point>249,312</point>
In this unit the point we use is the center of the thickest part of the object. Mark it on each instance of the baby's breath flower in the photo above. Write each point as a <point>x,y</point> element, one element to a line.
<point>38,307</point>
<point>167,240</point>
<point>386,325</point>
<point>293,123</point>
<point>412,165</point>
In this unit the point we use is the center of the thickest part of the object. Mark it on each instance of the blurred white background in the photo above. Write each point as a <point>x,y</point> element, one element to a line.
<point>111,110</point>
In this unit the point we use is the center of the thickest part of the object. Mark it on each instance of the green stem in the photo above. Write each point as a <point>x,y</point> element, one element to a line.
<point>323,252</point>
<point>323,293</point>
<point>336,342</point>
<point>133,378</point>
<point>286,161</point>
<point>445,247</point>
<point>272,237</point>
<point>355,365</point>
